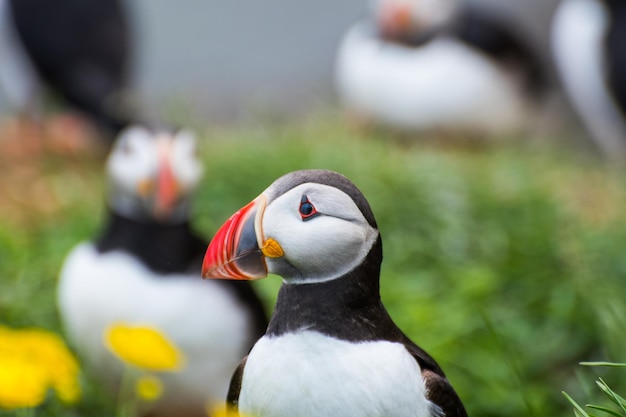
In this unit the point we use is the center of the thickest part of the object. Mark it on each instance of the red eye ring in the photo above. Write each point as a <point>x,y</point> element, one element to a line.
<point>307,209</point>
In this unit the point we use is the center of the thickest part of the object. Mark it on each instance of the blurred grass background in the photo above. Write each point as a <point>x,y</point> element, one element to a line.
<point>503,258</point>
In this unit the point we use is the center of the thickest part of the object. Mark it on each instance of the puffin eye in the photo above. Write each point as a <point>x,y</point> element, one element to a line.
<point>307,209</point>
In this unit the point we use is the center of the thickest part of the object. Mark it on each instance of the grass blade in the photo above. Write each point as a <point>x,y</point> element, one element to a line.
<point>617,399</point>
<point>605,409</point>
<point>577,408</point>
<point>611,364</point>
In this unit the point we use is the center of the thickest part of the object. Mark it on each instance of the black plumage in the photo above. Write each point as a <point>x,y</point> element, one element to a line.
<point>498,39</point>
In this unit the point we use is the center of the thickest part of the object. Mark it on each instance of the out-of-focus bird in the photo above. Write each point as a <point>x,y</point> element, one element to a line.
<point>78,50</point>
<point>423,65</point>
<point>589,49</point>
<point>144,269</point>
<point>331,348</point>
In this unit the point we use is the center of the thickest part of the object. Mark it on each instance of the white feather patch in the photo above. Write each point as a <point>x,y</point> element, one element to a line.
<point>309,374</point>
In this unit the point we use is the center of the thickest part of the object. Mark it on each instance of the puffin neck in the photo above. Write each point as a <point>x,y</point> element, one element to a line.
<point>162,247</point>
<point>347,308</point>
<point>417,39</point>
<point>134,208</point>
<point>121,220</point>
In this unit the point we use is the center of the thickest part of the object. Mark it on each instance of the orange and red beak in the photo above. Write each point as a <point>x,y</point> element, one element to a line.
<point>395,19</point>
<point>166,189</point>
<point>238,249</point>
<point>166,192</point>
<point>162,191</point>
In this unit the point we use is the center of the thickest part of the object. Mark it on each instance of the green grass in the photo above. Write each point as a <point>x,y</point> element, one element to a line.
<point>503,260</point>
<point>613,404</point>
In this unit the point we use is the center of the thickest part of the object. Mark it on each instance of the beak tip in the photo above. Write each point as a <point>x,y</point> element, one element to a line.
<point>234,252</point>
<point>207,266</point>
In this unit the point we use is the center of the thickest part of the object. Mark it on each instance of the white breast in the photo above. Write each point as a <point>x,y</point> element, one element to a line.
<point>308,374</point>
<point>203,319</point>
<point>442,84</point>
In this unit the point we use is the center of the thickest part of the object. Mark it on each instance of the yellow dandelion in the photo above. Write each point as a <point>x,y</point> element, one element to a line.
<point>31,362</point>
<point>143,347</point>
<point>22,384</point>
<point>149,388</point>
<point>52,354</point>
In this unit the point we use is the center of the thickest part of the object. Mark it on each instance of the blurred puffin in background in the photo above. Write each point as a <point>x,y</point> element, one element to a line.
<point>144,269</point>
<point>589,49</point>
<point>439,65</point>
<point>331,348</point>
<point>78,50</point>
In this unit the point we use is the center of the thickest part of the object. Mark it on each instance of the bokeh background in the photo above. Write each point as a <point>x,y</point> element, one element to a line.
<point>225,59</point>
<point>503,257</point>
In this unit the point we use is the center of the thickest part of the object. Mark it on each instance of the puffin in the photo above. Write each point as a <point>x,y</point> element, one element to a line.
<point>588,40</point>
<point>331,348</point>
<point>79,50</point>
<point>439,66</point>
<point>143,269</point>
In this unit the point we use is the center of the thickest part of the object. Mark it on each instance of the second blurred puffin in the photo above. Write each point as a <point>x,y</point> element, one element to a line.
<point>144,269</point>
<point>424,65</point>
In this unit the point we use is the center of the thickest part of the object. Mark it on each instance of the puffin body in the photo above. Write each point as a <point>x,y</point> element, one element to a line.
<point>80,50</point>
<point>331,347</point>
<point>310,362</point>
<point>143,270</point>
<point>120,289</point>
<point>420,65</point>
<point>422,88</point>
<point>589,49</point>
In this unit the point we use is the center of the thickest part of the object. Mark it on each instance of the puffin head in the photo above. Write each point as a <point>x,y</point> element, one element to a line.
<point>151,173</point>
<point>399,19</point>
<point>308,226</point>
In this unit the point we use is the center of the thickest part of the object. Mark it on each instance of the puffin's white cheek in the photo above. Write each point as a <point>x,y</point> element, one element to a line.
<point>128,171</point>
<point>320,251</point>
<point>189,174</point>
<point>125,178</point>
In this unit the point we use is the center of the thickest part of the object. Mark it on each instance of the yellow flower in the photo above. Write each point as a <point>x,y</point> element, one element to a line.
<point>22,384</point>
<point>31,362</point>
<point>143,347</point>
<point>149,388</point>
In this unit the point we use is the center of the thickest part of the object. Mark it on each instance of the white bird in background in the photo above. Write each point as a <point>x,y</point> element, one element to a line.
<point>438,65</point>
<point>589,49</point>
<point>144,270</point>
